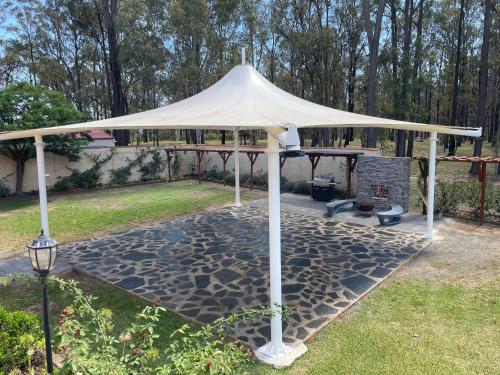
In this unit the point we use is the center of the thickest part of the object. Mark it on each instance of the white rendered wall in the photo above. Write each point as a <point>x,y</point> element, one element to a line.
<point>297,169</point>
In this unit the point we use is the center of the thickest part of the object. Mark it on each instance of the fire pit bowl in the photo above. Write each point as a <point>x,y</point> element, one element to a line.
<point>364,209</point>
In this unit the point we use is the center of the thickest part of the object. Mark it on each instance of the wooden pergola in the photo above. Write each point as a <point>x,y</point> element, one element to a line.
<point>314,154</point>
<point>481,175</point>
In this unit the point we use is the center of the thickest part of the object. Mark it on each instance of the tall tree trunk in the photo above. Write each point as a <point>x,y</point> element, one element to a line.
<point>483,82</point>
<point>373,35</point>
<point>454,101</point>
<point>118,105</point>
<point>20,167</point>
<point>405,97</point>
<point>415,79</point>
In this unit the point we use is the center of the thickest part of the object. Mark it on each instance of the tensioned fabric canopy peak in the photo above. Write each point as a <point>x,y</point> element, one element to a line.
<point>242,99</point>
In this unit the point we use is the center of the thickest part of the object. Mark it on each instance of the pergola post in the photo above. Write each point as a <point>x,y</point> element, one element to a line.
<point>169,161</point>
<point>482,179</point>
<point>199,156</point>
<point>42,185</point>
<point>253,157</point>
<point>237,201</point>
<point>431,185</point>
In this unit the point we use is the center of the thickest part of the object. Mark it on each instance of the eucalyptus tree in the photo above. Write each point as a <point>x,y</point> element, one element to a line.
<point>373,30</point>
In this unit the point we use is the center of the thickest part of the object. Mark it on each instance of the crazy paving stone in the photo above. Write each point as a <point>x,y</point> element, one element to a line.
<point>208,265</point>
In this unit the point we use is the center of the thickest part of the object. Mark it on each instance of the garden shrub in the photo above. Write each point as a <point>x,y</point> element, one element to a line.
<point>302,187</point>
<point>64,184</point>
<point>448,196</point>
<point>151,170</point>
<point>472,196</point>
<point>212,174</point>
<point>21,341</point>
<point>340,194</point>
<point>88,179</point>
<point>176,166</point>
<point>121,175</point>
<point>452,196</point>
<point>4,190</point>
<point>89,345</point>
<point>260,180</point>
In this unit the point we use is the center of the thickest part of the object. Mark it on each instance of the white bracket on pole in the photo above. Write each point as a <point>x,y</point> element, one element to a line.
<point>42,185</point>
<point>288,138</point>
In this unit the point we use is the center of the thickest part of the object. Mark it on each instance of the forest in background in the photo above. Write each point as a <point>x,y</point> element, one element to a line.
<point>428,61</point>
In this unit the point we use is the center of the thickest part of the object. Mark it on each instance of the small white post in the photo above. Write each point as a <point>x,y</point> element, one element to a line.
<point>243,59</point>
<point>42,185</point>
<point>237,201</point>
<point>431,185</point>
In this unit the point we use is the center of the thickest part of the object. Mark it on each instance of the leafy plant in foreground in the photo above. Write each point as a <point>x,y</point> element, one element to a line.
<point>89,344</point>
<point>21,341</point>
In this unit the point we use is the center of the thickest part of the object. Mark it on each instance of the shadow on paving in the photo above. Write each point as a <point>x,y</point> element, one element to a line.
<point>207,265</point>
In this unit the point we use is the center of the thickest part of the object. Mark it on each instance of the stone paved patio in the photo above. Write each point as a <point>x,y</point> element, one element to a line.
<point>207,265</point>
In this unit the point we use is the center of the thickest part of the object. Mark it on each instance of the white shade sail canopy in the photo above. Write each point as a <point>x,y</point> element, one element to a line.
<point>242,99</point>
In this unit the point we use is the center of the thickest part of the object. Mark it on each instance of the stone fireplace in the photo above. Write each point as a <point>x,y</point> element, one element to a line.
<point>383,180</point>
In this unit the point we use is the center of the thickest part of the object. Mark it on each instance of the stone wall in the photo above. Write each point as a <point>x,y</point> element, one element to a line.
<point>383,180</point>
<point>57,167</point>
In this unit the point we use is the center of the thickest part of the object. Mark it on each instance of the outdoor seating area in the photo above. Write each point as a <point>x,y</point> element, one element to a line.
<point>210,264</point>
<point>391,217</point>
<point>207,261</point>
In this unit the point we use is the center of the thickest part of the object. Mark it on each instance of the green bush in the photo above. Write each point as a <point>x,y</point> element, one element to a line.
<point>472,199</point>
<point>90,346</point>
<point>4,190</point>
<point>88,179</point>
<point>212,175</point>
<point>120,176</point>
<point>453,195</point>
<point>448,196</point>
<point>302,187</point>
<point>340,194</point>
<point>176,166</point>
<point>63,184</point>
<point>151,170</point>
<point>21,341</point>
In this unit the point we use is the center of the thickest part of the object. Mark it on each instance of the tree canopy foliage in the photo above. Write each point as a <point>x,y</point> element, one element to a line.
<point>24,106</point>
<point>111,57</point>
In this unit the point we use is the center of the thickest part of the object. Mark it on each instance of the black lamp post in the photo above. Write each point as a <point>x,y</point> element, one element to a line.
<point>42,253</point>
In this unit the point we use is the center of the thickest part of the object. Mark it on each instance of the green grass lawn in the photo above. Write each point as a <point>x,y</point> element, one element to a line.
<point>410,328</point>
<point>406,327</point>
<point>75,216</point>
<point>20,295</point>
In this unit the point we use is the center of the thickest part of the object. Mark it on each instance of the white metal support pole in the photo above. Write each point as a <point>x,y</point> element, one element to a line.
<point>431,185</point>
<point>276,347</point>
<point>237,201</point>
<point>42,185</point>
<point>243,57</point>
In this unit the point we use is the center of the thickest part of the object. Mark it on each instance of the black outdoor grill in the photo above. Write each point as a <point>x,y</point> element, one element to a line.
<point>323,188</point>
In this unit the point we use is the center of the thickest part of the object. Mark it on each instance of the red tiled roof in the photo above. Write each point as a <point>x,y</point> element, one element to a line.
<point>96,134</point>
